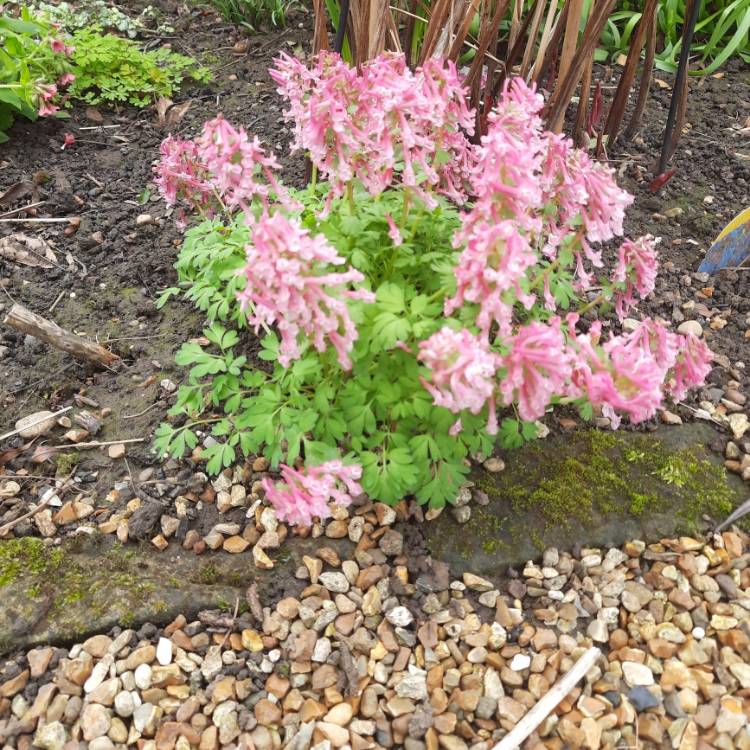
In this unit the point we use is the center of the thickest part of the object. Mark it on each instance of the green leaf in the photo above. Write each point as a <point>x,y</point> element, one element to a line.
<point>390,298</point>
<point>510,434</point>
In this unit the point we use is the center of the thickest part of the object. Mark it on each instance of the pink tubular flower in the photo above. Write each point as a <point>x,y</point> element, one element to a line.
<point>462,371</point>
<point>305,494</point>
<point>65,79</point>
<point>70,140</point>
<point>285,287</point>
<point>537,368</point>
<point>637,267</point>
<point>180,174</point>
<point>691,368</point>
<point>393,231</point>
<point>381,124</point>
<point>234,163</point>
<point>59,47</point>
<point>46,93</point>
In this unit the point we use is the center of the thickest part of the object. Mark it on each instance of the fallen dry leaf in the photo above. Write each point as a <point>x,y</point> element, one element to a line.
<point>662,84</point>
<point>94,115</point>
<point>43,453</point>
<point>17,191</point>
<point>28,251</point>
<point>168,113</point>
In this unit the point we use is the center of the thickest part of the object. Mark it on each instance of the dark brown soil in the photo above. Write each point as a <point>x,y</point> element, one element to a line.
<point>109,292</point>
<point>117,267</point>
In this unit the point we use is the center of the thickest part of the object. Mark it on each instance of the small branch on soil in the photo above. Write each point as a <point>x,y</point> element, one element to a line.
<point>46,500</point>
<point>62,220</point>
<point>48,331</point>
<point>59,297</point>
<point>22,209</point>
<point>145,411</point>
<point>88,446</point>
<point>36,422</point>
<point>99,127</point>
<point>533,718</point>
<point>230,629</point>
<point>93,179</point>
<point>135,338</point>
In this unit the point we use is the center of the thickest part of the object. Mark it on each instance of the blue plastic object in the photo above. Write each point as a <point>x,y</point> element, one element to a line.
<point>728,251</point>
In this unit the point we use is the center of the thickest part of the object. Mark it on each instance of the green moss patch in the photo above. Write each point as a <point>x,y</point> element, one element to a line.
<point>592,488</point>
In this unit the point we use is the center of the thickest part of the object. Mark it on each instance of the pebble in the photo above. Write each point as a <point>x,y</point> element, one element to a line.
<point>444,663</point>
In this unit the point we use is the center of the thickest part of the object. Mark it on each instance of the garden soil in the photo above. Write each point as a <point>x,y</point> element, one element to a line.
<point>109,272</point>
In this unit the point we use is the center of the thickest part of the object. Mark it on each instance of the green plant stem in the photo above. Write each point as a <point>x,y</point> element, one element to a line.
<point>594,302</point>
<point>350,197</point>
<point>407,206</point>
<point>551,268</point>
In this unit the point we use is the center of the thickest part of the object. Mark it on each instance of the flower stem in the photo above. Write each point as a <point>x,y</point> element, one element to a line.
<point>407,202</point>
<point>594,302</point>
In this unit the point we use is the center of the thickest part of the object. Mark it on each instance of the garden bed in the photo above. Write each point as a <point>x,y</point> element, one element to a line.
<point>105,284</point>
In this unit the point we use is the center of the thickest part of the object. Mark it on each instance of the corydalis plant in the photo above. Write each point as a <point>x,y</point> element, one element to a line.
<point>407,334</point>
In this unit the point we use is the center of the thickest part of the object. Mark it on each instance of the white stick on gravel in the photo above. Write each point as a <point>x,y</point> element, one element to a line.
<point>514,739</point>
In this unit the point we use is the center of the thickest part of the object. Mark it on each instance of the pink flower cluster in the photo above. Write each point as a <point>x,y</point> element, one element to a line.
<point>635,271</point>
<point>630,373</point>
<point>633,372</point>
<point>304,495</point>
<point>382,124</point>
<point>47,93</point>
<point>222,166</point>
<point>462,369</point>
<point>286,287</point>
<point>534,191</point>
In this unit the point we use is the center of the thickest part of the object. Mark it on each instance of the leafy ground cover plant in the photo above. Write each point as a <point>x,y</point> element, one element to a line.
<point>429,300</point>
<point>35,69</point>
<point>111,69</point>
<point>101,14</point>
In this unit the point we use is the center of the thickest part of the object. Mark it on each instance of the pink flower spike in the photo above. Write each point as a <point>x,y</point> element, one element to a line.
<point>288,286</point>
<point>692,366</point>
<point>181,174</point>
<point>305,495</point>
<point>637,267</point>
<point>537,368</point>
<point>462,370</point>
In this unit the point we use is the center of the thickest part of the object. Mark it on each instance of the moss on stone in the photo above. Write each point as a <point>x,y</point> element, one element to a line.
<point>595,475</point>
<point>54,573</point>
